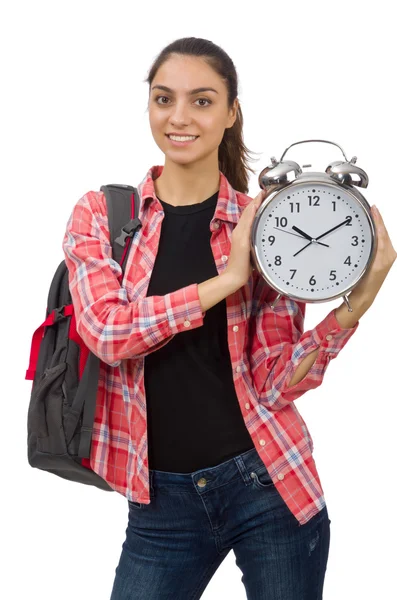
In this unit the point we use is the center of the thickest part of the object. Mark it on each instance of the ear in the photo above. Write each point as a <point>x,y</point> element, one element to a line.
<point>233,113</point>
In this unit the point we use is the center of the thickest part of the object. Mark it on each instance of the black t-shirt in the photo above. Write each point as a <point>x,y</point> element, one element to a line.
<point>194,419</point>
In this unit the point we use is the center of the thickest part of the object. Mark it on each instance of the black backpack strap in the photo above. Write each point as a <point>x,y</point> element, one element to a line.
<point>86,397</point>
<point>123,224</point>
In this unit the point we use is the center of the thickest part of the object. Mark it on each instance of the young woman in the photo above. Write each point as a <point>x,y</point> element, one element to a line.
<point>195,421</point>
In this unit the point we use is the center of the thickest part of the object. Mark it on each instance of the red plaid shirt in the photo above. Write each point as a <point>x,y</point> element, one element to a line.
<point>121,326</point>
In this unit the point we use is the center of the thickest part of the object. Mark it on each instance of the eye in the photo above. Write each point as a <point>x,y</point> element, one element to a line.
<point>205,100</point>
<point>164,104</point>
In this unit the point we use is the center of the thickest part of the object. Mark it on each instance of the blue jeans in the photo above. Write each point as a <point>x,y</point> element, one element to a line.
<point>174,545</point>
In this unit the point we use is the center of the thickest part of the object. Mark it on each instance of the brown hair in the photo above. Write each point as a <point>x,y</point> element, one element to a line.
<point>233,154</point>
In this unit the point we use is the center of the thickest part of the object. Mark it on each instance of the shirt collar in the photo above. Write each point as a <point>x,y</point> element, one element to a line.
<point>227,207</point>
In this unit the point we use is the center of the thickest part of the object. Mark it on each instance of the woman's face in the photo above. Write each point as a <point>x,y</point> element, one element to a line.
<point>204,114</point>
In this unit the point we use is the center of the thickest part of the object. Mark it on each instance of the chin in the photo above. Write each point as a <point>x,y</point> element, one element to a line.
<point>178,157</point>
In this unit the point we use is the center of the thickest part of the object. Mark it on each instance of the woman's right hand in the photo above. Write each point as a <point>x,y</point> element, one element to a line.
<point>239,264</point>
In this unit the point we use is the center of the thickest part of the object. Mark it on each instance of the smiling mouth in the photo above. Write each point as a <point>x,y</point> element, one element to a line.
<point>189,136</point>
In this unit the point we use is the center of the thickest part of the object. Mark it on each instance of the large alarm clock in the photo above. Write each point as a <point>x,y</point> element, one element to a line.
<point>313,237</point>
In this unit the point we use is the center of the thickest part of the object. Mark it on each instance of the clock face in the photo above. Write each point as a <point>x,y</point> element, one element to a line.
<point>330,262</point>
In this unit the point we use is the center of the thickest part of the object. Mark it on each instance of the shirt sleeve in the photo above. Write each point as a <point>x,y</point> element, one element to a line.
<point>279,345</point>
<point>111,326</point>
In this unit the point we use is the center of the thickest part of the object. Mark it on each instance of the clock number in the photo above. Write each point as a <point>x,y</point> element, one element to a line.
<point>283,221</point>
<point>334,203</point>
<point>292,206</point>
<point>294,270</point>
<point>354,237</point>
<point>312,281</point>
<point>317,199</point>
<point>348,261</point>
<point>271,239</point>
<point>277,260</point>
<point>332,275</point>
<point>349,224</point>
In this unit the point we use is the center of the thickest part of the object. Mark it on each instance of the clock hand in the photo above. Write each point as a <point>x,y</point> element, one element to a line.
<point>333,229</point>
<point>320,236</point>
<point>303,248</point>
<point>302,232</point>
<point>290,232</point>
<point>307,237</point>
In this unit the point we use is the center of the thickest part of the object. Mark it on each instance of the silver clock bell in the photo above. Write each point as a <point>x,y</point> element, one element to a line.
<point>313,237</point>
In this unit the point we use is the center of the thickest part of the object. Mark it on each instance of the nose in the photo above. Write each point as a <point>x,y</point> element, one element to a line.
<point>179,115</point>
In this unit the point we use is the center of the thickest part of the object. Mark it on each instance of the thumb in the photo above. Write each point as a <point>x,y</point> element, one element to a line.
<point>257,201</point>
<point>260,197</point>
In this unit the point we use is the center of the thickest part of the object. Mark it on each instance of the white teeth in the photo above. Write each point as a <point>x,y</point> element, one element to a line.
<point>182,138</point>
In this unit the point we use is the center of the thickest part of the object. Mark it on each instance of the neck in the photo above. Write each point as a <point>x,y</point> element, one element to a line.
<point>181,185</point>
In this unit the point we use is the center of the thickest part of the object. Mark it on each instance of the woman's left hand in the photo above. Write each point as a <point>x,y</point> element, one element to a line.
<point>385,255</point>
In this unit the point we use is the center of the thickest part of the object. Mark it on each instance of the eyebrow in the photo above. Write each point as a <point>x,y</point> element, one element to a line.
<point>191,93</point>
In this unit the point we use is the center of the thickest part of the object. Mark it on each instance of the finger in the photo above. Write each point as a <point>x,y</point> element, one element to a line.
<point>258,198</point>
<point>379,222</point>
<point>248,214</point>
<point>378,216</point>
<point>255,204</point>
<point>251,208</point>
<point>383,233</point>
<point>375,212</point>
<point>261,196</point>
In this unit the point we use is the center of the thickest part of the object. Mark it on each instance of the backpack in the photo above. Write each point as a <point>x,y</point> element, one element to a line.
<point>64,371</point>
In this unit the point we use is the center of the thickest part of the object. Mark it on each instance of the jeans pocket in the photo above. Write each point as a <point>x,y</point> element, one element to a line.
<point>261,478</point>
<point>134,505</point>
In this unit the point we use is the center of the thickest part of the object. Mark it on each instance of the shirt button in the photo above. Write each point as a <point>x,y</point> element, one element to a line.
<point>235,328</point>
<point>186,323</point>
<point>328,337</point>
<point>238,369</point>
<point>216,225</point>
<point>280,476</point>
<point>224,258</point>
<point>262,442</point>
<point>247,405</point>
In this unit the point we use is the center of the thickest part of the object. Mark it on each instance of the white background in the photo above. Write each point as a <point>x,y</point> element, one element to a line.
<point>73,118</point>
